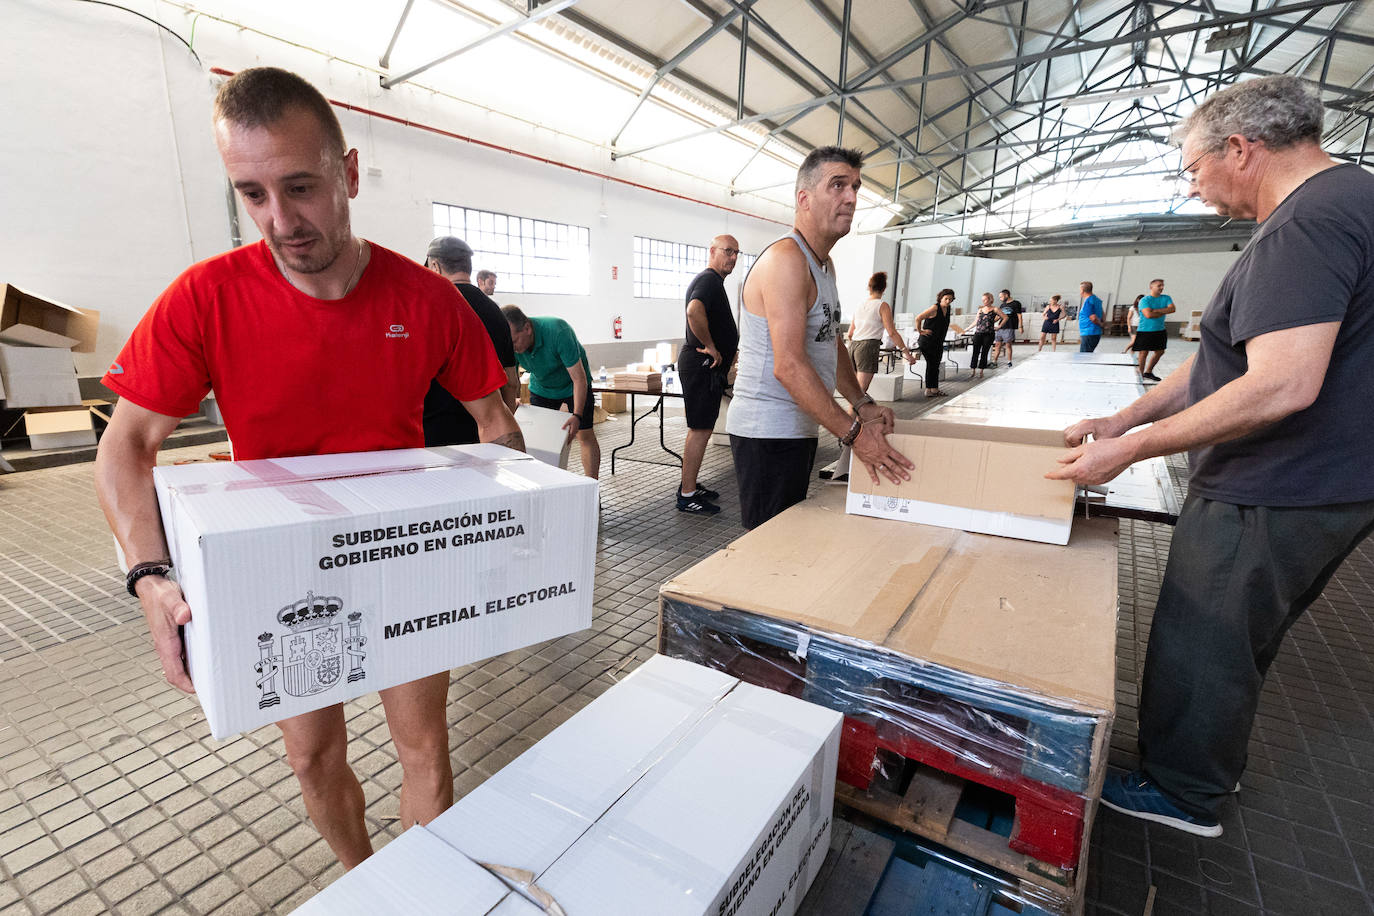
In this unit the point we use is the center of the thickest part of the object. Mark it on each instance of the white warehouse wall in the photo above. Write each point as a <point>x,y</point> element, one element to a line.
<point>1189,278</point>
<point>113,185</point>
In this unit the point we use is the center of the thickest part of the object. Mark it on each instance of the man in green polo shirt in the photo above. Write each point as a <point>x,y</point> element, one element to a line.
<point>560,376</point>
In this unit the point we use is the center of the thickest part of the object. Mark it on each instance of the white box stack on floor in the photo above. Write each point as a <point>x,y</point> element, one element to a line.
<point>679,792</point>
<point>314,580</point>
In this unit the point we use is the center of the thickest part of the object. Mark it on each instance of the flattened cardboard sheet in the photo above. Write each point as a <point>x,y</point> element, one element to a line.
<point>1039,617</point>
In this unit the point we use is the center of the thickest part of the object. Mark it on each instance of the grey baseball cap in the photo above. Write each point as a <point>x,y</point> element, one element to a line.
<point>448,247</point>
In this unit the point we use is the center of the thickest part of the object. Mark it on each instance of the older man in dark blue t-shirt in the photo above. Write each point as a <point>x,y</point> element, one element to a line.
<point>1269,411</point>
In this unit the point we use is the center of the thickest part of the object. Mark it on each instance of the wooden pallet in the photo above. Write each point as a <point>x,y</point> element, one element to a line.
<point>927,807</point>
<point>867,874</point>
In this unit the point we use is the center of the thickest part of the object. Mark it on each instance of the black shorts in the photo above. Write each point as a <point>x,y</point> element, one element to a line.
<point>584,421</point>
<point>702,388</point>
<point>1150,341</point>
<point>773,474</point>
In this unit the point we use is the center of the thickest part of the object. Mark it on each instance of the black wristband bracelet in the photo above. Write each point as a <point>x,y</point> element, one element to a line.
<point>139,570</point>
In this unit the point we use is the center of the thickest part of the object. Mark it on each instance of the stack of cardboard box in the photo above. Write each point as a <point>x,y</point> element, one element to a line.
<point>37,339</point>
<point>639,380</point>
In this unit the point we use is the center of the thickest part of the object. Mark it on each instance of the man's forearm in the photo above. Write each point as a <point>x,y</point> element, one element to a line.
<point>1238,408</point>
<point>580,393</point>
<point>701,328</point>
<point>1163,400</point>
<point>124,486</point>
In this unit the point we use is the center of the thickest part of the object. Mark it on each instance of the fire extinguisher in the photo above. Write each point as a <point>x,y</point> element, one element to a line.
<point>619,327</point>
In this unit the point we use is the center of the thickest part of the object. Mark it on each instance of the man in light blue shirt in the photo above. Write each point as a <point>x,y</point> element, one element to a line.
<point>1150,336</point>
<point>1089,319</point>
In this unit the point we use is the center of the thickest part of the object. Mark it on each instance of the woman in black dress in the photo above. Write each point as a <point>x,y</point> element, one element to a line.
<point>932,325</point>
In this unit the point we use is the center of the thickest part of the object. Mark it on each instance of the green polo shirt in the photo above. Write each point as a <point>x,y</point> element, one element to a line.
<point>555,348</point>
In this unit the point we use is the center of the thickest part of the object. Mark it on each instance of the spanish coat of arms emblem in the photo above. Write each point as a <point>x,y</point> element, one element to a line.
<point>310,657</point>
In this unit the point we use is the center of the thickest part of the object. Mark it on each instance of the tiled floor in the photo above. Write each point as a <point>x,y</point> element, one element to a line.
<point>113,797</point>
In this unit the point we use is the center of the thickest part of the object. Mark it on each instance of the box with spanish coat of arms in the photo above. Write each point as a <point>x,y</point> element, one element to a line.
<point>314,580</point>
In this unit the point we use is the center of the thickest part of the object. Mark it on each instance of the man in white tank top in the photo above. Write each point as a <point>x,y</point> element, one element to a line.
<point>791,358</point>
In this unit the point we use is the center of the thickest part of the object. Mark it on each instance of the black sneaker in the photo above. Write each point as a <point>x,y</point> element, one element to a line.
<point>1151,377</point>
<point>705,493</point>
<point>696,504</point>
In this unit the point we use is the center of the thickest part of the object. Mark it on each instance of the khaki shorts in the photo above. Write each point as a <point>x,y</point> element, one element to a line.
<point>864,354</point>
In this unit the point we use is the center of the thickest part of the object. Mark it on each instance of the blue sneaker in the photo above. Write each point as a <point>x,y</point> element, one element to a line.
<point>1135,795</point>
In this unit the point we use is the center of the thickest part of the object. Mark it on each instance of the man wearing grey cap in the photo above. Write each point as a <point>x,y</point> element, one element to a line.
<point>446,421</point>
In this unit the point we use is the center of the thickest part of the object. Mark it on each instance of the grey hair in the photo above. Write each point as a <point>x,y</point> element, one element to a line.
<point>1278,111</point>
<point>459,265</point>
<point>809,173</point>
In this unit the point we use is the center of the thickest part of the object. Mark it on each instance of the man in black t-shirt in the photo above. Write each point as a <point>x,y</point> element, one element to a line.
<point>702,367</point>
<point>1270,411</point>
<point>445,420</point>
<point>1006,334</point>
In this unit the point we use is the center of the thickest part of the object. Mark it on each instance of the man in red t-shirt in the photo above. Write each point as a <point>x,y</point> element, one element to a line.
<point>315,341</point>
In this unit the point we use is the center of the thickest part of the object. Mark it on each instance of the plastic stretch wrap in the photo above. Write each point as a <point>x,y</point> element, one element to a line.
<point>986,732</point>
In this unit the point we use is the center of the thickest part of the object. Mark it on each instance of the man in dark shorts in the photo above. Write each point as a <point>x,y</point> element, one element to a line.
<point>1005,336</point>
<point>446,421</point>
<point>791,358</point>
<point>560,376</point>
<point>1280,491</point>
<point>702,366</point>
<point>1150,336</point>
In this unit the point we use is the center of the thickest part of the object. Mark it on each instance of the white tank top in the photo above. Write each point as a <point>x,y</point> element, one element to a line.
<point>761,407</point>
<point>868,320</point>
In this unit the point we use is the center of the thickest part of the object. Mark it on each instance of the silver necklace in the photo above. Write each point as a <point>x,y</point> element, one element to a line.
<point>352,280</point>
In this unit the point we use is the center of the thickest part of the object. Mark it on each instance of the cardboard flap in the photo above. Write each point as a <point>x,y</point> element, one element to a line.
<point>22,313</point>
<point>48,420</point>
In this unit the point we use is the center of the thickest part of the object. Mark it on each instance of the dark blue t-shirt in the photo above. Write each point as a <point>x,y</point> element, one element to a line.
<point>1310,262</point>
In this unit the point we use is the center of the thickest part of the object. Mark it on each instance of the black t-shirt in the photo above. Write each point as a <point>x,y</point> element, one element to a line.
<point>1012,309</point>
<point>446,421</point>
<point>1310,262</point>
<point>709,287</point>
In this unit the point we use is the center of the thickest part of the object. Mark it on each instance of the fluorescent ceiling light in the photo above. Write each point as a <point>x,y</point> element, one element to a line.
<point>1095,98</point>
<point>1118,164</point>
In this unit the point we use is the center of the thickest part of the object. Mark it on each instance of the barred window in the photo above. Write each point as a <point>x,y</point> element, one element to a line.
<point>527,255</point>
<point>663,269</point>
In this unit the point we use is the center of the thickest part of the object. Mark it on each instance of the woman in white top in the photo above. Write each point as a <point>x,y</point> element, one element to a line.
<point>871,318</point>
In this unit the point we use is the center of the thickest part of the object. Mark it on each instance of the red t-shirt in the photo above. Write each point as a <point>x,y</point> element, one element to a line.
<point>296,375</point>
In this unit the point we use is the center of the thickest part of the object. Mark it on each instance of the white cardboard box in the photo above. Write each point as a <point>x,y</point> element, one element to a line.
<point>545,437</point>
<point>59,427</point>
<point>38,377</point>
<point>314,580</point>
<point>679,792</point>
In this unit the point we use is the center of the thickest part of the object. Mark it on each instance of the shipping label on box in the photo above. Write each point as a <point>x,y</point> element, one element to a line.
<point>314,580</point>
<point>985,479</point>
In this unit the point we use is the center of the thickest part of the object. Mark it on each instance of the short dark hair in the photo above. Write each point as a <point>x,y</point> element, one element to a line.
<point>261,96</point>
<point>878,282</point>
<point>1006,292</point>
<point>514,316</point>
<point>811,165</point>
<point>483,274</point>
<point>1086,286</point>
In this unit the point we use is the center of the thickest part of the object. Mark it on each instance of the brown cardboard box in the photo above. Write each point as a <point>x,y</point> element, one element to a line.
<point>612,402</point>
<point>38,376</point>
<point>651,382</point>
<point>59,427</point>
<point>30,320</point>
<point>989,479</point>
